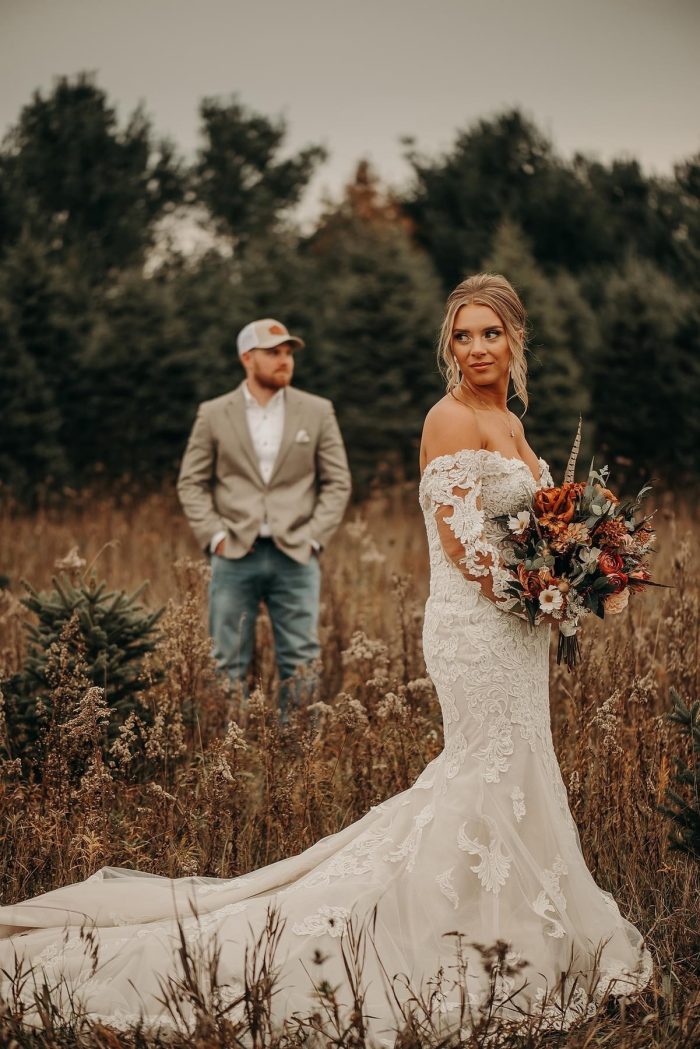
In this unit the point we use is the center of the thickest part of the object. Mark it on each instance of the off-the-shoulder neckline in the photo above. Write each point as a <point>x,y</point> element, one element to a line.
<point>488,451</point>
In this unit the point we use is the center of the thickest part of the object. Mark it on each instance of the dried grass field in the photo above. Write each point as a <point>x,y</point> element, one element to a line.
<point>190,793</point>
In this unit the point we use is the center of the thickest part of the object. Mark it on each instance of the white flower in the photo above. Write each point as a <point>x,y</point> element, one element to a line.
<point>520,522</point>
<point>551,599</point>
<point>302,437</point>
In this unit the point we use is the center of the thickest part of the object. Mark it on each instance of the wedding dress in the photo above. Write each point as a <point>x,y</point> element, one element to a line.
<point>483,843</point>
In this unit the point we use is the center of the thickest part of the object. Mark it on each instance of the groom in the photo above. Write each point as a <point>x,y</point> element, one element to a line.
<point>264,483</point>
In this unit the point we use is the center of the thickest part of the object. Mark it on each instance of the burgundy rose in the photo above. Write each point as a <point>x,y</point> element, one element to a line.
<point>530,581</point>
<point>618,581</point>
<point>610,563</point>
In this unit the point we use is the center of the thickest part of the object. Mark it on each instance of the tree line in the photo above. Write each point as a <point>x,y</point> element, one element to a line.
<point>110,334</point>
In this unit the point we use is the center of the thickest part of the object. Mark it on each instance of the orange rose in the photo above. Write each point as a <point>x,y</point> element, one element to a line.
<point>544,500</point>
<point>561,501</point>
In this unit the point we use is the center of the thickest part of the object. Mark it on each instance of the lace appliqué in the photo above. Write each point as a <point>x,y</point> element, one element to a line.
<point>408,849</point>
<point>518,799</point>
<point>551,882</point>
<point>551,897</point>
<point>358,857</point>
<point>194,928</point>
<point>455,752</point>
<point>327,921</point>
<point>494,862</point>
<point>444,881</point>
<point>496,752</point>
<point>542,906</point>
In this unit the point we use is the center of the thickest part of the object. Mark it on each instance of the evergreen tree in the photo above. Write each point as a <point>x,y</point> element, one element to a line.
<point>216,297</point>
<point>684,221</point>
<point>646,376</point>
<point>501,168</point>
<point>561,340</point>
<point>104,635</point>
<point>638,214</point>
<point>683,798</point>
<point>577,215</point>
<point>140,376</point>
<point>80,184</point>
<point>30,448</point>
<point>46,315</point>
<point>380,304</point>
<point>239,175</point>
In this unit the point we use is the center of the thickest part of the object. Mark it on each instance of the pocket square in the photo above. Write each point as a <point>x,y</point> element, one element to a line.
<point>302,437</point>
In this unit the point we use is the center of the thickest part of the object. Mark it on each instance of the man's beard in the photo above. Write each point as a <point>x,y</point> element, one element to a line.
<point>276,381</point>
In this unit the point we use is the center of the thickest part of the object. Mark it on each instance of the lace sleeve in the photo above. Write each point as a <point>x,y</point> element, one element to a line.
<point>453,490</point>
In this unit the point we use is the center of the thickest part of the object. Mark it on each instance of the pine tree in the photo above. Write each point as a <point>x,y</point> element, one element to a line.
<point>86,188</point>
<point>30,445</point>
<point>379,304</point>
<point>562,338</point>
<point>684,802</point>
<point>239,174</point>
<point>115,633</point>
<point>139,377</point>
<point>497,169</point>
<point>646,373</point>
<point>44,316</point>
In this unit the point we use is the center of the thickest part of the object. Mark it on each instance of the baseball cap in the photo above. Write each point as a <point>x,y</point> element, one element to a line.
<point>263,335</point>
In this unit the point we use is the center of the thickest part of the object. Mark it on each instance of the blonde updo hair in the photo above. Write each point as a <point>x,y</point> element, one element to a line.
<point>486,289</point>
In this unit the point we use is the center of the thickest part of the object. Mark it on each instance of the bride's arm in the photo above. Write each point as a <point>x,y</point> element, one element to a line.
<point>455,492</point>
<point>460,528</point>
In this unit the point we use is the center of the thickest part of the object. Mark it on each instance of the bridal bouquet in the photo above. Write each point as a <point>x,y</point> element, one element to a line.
<point>577,550</point>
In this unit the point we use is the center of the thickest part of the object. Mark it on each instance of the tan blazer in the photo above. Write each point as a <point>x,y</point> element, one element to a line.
<point>221,489</point>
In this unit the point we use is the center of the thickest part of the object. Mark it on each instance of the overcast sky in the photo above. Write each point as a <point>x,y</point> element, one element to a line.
<point>608,77</point>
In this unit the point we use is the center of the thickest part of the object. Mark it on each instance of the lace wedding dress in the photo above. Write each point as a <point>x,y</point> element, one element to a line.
<point>482,844</point>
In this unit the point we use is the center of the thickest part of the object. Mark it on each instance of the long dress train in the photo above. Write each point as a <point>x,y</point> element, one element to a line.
<point>482,844</point>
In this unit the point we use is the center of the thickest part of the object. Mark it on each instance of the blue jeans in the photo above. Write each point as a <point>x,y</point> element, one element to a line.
<point>291,592</point>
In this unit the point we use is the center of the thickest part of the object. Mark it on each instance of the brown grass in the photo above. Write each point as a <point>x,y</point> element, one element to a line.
<point>194,792</point>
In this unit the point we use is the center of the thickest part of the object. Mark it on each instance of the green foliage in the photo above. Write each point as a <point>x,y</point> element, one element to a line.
<point>113,635</point>
<point>104,358</point>
<point>498,169</point>
<point>379,307</point>
<point>578,215</point>
<point>138,369</point>
<point>684,803</point>
<point>72,178</point>
<point>44,315</point>
<point>239,175</point>
<point>561,338</point>
<point>30,448</point>
<point>646,372</point>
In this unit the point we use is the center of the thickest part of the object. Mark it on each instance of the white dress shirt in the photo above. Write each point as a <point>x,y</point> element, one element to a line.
<point>265,425</point>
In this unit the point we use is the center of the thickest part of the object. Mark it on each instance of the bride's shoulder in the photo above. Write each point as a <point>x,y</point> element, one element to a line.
<point>449,428</point>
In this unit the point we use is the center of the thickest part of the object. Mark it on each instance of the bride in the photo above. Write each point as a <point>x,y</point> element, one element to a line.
<point>483,843</point>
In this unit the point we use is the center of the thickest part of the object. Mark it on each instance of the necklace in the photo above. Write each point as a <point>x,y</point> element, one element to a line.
<point>486,408</point>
